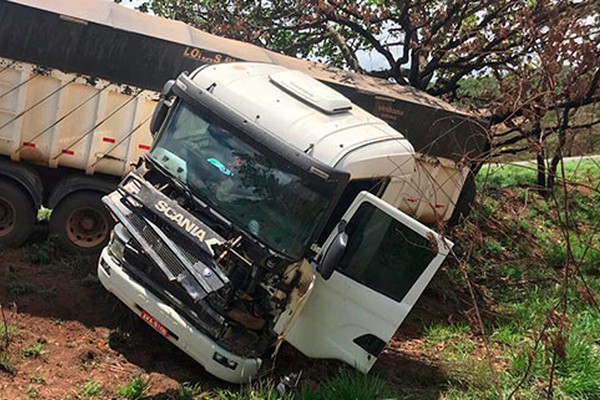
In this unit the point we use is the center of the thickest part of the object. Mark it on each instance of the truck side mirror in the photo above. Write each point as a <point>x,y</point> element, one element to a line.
<point>335,252</point>
<point>162,108</point>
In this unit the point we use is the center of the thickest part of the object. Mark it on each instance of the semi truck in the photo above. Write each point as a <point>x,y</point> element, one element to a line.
<point>268,210</point>
<point>79,80</point>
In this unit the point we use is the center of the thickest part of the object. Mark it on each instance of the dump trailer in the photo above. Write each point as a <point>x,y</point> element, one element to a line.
<point>251,223</point>
<point>75,139</point>
<point>76,83</point>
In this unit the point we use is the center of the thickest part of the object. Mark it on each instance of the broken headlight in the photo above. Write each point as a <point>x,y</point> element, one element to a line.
<point>119,239</point>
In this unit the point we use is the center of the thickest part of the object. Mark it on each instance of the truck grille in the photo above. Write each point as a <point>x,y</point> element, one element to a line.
<point>177,263</point>
<point>164,252</point>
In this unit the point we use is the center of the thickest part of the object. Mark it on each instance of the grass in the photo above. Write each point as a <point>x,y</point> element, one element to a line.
<point>44,214</point>
<point>33,392</point>
<point>90,390</point>
<point>42,253</point>
<point>16,285</point>
<point>257,391</point>
<point>349,387</point>
<point>34,351</point>
<point>47,254</point>
<point>516,267</point>
<point>40,380</point>
<point>9,329</point>
<point>345,386</point>
<point>6,364</point>
<point>495,176</point>
<point>188,391</point>
<point>137,388</point>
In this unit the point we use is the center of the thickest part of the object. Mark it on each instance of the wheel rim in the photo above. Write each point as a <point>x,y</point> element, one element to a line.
<point>7,217</point>
<point>87,227</point>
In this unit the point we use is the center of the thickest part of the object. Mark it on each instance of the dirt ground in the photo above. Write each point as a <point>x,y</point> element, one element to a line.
<point>85,334</point>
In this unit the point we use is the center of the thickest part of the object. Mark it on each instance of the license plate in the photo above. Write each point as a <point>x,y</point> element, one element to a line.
<point>150,320</point>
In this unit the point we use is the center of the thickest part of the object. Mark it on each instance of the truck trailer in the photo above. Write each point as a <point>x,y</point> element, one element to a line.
<point>78,82</point>
<point>267,210</point>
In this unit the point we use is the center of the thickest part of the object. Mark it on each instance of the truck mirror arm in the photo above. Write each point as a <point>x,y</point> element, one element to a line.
<point>333,255</point>
<point>162,108</point>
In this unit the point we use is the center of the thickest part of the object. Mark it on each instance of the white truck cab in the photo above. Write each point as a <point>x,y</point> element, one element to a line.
<point>268,210</point>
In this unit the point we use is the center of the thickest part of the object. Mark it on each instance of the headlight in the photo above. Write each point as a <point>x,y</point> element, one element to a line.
<point>119,240</point>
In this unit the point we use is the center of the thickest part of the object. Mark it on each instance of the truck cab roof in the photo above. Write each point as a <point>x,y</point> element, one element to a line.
<point>311,117</point>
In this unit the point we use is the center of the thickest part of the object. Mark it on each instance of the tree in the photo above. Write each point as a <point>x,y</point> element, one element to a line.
<point>535,63</point>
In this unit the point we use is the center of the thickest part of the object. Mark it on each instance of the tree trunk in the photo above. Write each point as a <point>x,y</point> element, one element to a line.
<point>541,169</point>
<point>562,140</point>
<point>541,157</point>
<point>552,169</point>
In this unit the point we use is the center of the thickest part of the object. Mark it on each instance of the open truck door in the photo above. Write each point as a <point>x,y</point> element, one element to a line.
<point>371,272</point>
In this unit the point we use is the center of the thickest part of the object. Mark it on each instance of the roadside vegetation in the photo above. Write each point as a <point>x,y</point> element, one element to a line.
<point>532,261</point>
<point>514,315</point>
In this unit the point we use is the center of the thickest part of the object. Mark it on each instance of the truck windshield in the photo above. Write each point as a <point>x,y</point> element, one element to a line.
<point>262,195</point>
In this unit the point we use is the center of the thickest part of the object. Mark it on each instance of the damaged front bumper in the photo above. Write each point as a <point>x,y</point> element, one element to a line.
<point>167,321</point>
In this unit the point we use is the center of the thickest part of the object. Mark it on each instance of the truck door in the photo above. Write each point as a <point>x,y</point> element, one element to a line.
<point>388,260</point>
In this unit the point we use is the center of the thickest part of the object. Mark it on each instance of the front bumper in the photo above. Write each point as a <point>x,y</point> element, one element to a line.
<point>184,335</point>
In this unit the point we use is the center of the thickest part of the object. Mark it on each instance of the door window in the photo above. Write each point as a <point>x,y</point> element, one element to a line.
<point>384,254</point>
<point>374,186</point>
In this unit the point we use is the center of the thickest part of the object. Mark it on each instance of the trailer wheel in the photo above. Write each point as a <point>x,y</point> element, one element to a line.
<point>465,201</point>
<point>17,215</point>
<point>81,223</point>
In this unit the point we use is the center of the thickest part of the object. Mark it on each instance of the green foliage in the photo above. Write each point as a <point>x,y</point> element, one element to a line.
<point>90,390</point>
<point>494,248</point>
<point>579,372</point>
<point>442,333</point>
<point>507,335</point>
<point>42,253</point>
<point>518,259</point>
<point>479,86</point>
<point>188,391</point>
<point>9,329</point>
<point>17,286</point>
<point>345,386</point>
<point>34,351</point>
<point>6,364</point>
<point>40,380</point>
<point>44,214</point>
<point>33,392</point>
<point>136,389</point>
<point>349,387</point>
<point>245,394</point>
<point>493,177</point>
<point>555,255</point>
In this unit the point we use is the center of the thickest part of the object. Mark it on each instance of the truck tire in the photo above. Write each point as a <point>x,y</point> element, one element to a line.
<point>80,223</point>
<point>465,201</point>
<point>17,215</point>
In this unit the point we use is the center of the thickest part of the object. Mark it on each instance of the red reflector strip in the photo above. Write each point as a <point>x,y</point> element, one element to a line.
<point>29,144</point>
<point>108,140</point>
<point>68,152</point>
<point>411,200</point>
<point>143,147</point>
<point>439,206</point>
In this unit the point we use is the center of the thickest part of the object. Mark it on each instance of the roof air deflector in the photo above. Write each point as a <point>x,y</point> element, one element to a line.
<point>311,91</point>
